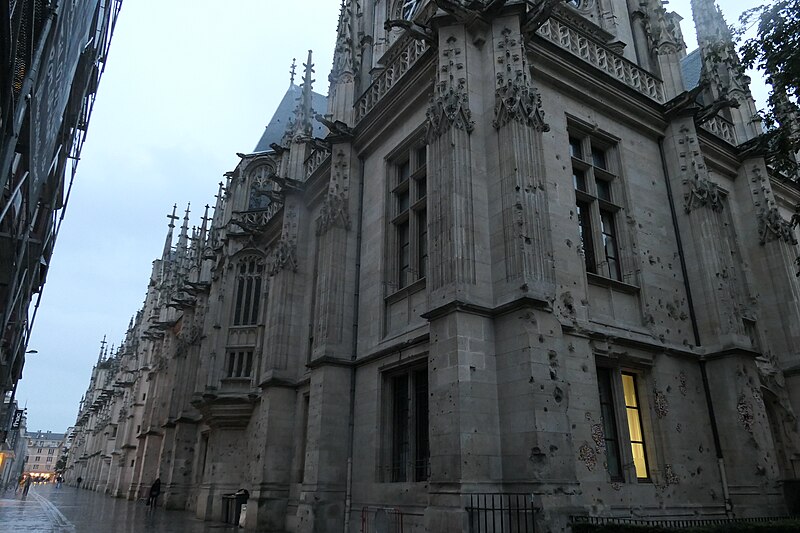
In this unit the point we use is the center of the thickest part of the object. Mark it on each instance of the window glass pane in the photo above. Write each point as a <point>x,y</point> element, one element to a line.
<point>237,315</point>
<point>599,158</point>
<point>422,188</point>
<point>403,171</point>
<point>422,243</point>
<point>613,463</point>
<point>634,426</point>
<point>629,388</point>
<point>248,367</point>
<point>575,149</point>
<point>422,152</point>
<point>585,225</point>
<point>610,249</point>
<point>400,444</point>
<point>639,461</point>
<point>404,254</point>
<point>402,202</point>
<point>603,190</point>
<point>231,363</point>
<point>579,179</point>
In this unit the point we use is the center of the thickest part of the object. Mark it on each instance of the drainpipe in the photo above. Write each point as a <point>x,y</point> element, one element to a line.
<point>696,331</point>
<point>348,499</point>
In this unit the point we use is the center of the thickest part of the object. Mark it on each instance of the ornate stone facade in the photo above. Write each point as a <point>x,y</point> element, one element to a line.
<point>505,268</point>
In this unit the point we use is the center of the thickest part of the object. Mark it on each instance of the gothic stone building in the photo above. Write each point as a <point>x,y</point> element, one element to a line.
<point>534,252</point>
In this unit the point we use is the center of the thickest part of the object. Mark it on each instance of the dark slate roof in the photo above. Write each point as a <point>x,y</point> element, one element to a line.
<point>42,435</point>
<point>274,131</point>
<point>691,65</point>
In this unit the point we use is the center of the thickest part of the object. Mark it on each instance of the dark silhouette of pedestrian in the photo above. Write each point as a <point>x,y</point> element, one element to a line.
<point>27,486</point>
<point>59,480</point>
<point>155,490</point>
<point>78,481</point>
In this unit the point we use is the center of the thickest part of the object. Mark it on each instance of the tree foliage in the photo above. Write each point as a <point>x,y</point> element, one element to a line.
<point>775,50</point>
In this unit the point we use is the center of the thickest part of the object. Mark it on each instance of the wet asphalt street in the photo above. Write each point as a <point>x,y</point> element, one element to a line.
<point>71,510</point>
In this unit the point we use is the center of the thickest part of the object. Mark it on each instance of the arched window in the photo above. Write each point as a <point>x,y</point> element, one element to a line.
<point>260,186</point>
<point>249,273</point>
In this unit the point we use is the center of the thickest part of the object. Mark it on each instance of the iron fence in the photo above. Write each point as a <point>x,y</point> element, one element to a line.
<point>496,512</point>
<point>674,523</point>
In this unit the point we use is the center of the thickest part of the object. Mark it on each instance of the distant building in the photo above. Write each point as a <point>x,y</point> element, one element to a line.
<point>44,450</point>
<point>48,81</point>
<point>534,271</point>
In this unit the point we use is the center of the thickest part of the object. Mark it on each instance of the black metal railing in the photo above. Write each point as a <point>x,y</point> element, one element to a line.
<point>674,523</point>
<point>496,512</point>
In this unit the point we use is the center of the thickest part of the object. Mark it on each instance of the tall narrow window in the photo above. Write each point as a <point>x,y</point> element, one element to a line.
<point>409,443</point>
<point>635,425</point>
<point>409,216</point>
<point>596,204</point>
<point>618,393</point>
<point>250,271</point>
<point>613,463</point>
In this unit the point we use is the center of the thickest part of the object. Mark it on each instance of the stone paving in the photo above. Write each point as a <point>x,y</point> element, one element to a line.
<point>71,510</point>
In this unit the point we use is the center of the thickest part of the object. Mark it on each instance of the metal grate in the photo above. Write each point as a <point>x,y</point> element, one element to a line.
<point>381,520</point>
<point>496,512</point>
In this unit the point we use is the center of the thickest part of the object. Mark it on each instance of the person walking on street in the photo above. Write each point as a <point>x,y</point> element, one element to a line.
<point>27,486</point>
<point>59,479</point>
<point>78,481</point>
<point>155,490</point>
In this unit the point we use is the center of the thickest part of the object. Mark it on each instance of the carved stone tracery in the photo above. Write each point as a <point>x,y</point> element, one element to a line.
<point>515,97</point>
<point>335,207</point>
<point>773,227</point>
<point>284,256</point>
<point>703,193</point>
<point>450,106</point>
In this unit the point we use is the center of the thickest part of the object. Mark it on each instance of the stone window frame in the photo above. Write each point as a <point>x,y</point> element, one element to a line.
<point>412,464</point>
<point>246,308</point>
<point>603,196</point>
<point>620,424</point>
<point>407,215</point>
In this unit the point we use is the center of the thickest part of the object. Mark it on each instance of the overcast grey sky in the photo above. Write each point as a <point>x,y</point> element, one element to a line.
<point>188,84</point>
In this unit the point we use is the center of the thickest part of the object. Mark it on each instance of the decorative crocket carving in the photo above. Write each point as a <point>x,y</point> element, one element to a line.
<point>515,97</point>
<point>335,207</point>
<point>334,210</point>
<point>772,226</point>
<point>703,193</point>
<point>284,256</point>
<point>450,107</point>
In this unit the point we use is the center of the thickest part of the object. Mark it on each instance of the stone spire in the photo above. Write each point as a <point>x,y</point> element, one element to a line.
<point>346,59</point>
<point>665,46</point>
<point>303,113</point>
<point>709,22</point>
<point>292,71</point>
<point>728,86</point>
<point>183,243</point>
<point>168,242</point>
<point>203,231</point>
<point>102,349</point>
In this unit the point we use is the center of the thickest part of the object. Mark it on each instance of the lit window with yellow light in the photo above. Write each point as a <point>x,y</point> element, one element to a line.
<point>636,434</point>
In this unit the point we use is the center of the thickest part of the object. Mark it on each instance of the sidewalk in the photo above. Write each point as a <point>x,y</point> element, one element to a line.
<point>70,510</point>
